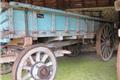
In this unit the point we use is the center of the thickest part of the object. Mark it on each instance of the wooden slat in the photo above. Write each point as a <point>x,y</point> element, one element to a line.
<point>51,3</point>
<point>38,3</point>
<point>24,1</point>
<point>90,3</point>
<point>65,4</point>
<point>103,2</point>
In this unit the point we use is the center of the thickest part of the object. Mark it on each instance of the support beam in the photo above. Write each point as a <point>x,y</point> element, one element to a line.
<point>96,2</point>
<point>83,3</point>
<point>60,4</point>
<point>57,3</point>
<point>69,4</point>
<point>44,2</point>
<point>94,8</point>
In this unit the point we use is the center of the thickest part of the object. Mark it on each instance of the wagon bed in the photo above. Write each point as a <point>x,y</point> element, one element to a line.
<point>21,20</point>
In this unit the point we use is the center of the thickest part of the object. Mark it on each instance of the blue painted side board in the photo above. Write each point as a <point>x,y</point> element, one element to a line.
<point>42,20</point>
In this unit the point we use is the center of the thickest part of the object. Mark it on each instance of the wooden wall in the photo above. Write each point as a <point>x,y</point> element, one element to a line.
<point>67,4</point>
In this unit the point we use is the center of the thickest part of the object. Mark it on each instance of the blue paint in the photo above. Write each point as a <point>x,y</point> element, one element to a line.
<point>43,21</point>
<point>60,22</point>
<point>45,24</point>
<point>19,20</point>
<point>5,40</point>
<point>30,21</point>
<point>72,23</point>
<point>4,26</point>
<point>83,25</point>
<point>4,21</point>
<point>3,16</point>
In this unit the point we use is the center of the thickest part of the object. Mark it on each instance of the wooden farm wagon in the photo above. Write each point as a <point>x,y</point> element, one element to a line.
<point>31,38</point>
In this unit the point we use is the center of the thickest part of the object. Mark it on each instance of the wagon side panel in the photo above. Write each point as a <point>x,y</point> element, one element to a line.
<point>19,23</point>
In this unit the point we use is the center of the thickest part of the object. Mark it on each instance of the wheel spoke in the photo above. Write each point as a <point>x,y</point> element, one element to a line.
<point>110,31</point>
<point>104,52</point>
<point>31,60</point>
<point>107,31</point>
<point>102,44</point>
<point>103,47</point>
<point>104,33</point>
<point>38,56</point>
<point>27,68</point>
<point>44,58</point>
<point>26,77</point>
<point>49,64</point>
<point>102,39</point>
<point>111,35</point>
<point>103,36</point>
<point>107,52</point>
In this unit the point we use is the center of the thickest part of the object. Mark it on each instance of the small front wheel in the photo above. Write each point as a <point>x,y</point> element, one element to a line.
<point>35,63</point>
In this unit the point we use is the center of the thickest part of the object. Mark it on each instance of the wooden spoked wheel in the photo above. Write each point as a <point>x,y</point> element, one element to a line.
<point>35,63</point>
<point>105,42</point>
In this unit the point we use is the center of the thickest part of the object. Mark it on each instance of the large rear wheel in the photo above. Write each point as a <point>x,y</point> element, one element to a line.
<point>105,42</point>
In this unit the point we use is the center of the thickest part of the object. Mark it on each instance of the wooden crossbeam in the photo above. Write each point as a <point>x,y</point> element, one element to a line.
<point>93,8</point>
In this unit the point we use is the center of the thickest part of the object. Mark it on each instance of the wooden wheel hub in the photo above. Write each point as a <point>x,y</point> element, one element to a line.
<point>108,43</point>
<point>40,71</point>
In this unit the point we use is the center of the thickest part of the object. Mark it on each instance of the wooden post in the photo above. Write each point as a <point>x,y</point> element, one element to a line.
<point>27,41</point>
<point>118,63</point>
<point>117,5</point>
